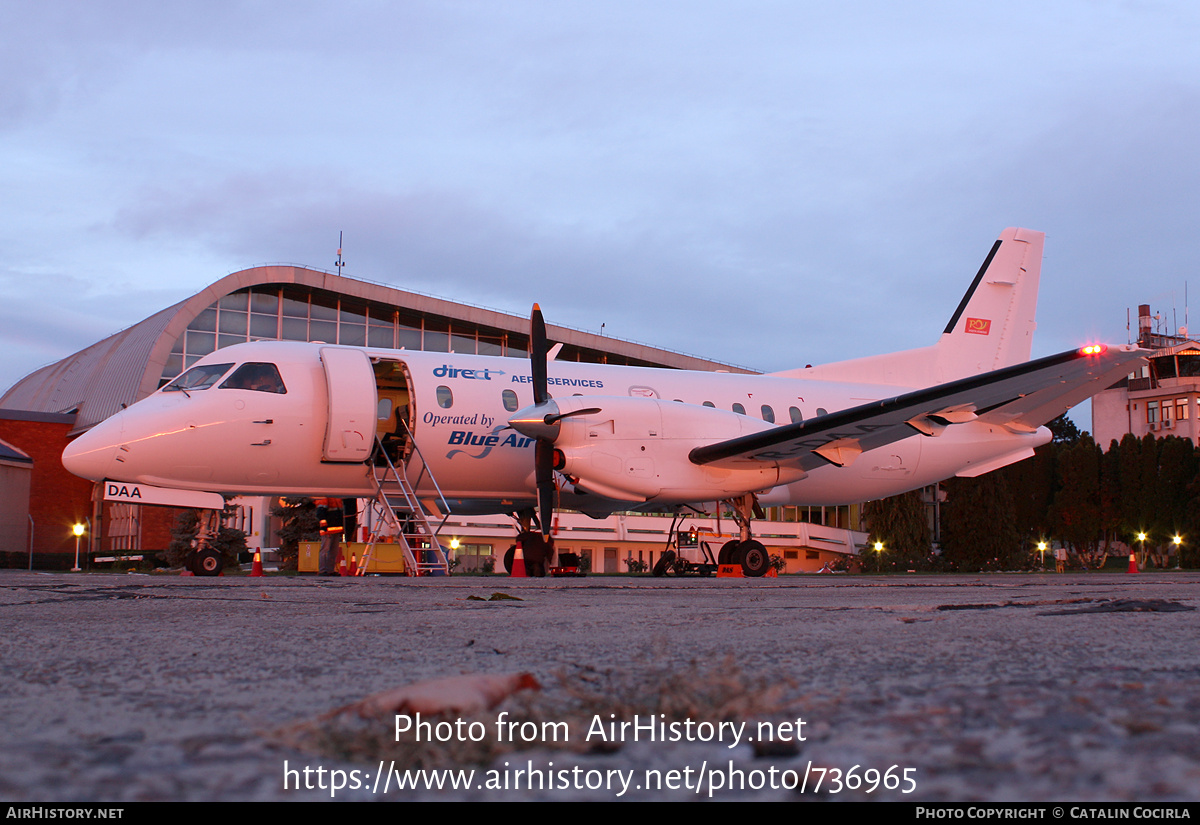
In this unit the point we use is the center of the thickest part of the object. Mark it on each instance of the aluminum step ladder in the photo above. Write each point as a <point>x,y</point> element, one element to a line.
<point>396,509</point>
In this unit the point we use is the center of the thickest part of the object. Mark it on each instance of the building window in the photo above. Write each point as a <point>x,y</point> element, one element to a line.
<point>1151,412</point>
<point>1181,409</point>
<point>1166,411</point>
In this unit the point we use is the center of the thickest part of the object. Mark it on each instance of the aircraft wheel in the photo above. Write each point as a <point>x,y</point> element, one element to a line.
<point>664,563</point>
<point>509,555</point>
<point>755,559</point>
<point>728,554</point>
<point>208,563</point>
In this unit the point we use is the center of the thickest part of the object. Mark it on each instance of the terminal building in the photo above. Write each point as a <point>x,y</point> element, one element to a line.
<point>43,411</point>
<point>1161,399</point>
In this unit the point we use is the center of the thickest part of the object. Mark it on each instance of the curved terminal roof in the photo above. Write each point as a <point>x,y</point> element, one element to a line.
<point>295,303</point>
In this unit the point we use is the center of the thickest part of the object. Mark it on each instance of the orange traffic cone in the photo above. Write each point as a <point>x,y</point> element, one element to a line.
<point>1132,563</point>
<point>518,568</point>
<point>256,568</point>
<point>353,565</point>
<point>341,567</point>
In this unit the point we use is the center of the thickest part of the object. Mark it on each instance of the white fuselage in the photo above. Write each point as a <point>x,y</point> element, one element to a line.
<point>309,440</point>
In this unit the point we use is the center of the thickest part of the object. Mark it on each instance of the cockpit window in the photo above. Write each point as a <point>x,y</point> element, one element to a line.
<point>257,376</point>
<point>198,378</point>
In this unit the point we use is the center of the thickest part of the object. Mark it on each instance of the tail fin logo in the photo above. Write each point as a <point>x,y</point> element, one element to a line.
<point>979,326</point>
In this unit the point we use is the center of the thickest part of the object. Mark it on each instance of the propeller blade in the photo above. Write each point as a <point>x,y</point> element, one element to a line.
<point>552,418</point>
<point>543,457</point>
<point>537,354</point>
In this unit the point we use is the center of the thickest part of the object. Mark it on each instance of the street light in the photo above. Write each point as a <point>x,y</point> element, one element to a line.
<point>1042,550</point>
<point>1178,542</point>
<point>78,531</point>
<point>1141,536</point>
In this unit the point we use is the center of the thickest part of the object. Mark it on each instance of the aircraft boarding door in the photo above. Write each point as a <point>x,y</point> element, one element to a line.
<point>350,431</point>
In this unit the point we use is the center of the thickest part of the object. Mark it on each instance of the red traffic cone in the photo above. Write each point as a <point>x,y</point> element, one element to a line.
<point>1133,568</point>
<point>341,567</point>
<point>353,565</point>
<point>518,568</point>
<point>256,568</point>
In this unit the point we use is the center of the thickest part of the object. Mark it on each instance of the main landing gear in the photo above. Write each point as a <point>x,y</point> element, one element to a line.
<point>747,552</point>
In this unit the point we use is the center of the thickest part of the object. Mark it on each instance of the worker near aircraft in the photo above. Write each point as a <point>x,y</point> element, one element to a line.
<point>332,521</point>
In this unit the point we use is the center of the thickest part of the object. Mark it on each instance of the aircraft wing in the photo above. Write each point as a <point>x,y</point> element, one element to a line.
<point>1020,398</point>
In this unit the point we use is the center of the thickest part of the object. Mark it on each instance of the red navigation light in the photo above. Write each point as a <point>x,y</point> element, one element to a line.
<point>1093,349</point>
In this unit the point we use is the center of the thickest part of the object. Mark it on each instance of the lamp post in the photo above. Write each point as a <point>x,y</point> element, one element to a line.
<point>1042,550</point>
<point>1178,542</point>
<point>1141,536</point>
<point>78,531</point>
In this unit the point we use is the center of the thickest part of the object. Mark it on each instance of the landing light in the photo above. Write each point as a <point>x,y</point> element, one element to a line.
<point>1093,349</point>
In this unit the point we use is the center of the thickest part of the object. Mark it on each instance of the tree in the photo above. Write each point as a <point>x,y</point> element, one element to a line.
<point>1064,429</point>
<point>900,523</point>
<point>1077,516</point>
<point>298,517</point>
<point>978,525</point>
<point>1177,467</point>
<point>1034,483</point>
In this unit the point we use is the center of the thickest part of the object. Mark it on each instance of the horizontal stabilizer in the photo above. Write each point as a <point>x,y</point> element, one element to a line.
<point>1020,398</point>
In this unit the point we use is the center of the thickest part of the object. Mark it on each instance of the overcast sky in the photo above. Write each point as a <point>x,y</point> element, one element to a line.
<point>766,183</point>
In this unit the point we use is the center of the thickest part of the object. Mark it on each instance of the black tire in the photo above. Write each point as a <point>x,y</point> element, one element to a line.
<point>509,555</point>
<point>729,553</point>
<point>208,563</point>
<point>664,563</point>
<point>755,559</point>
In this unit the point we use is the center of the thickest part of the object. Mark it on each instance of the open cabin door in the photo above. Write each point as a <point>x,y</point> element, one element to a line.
<point>350,430</point>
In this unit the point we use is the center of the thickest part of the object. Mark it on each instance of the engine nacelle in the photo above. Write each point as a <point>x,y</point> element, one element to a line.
<point>635,449</point>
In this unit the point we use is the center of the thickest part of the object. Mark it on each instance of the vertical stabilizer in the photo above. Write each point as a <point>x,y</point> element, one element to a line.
<point>994,323</point>
<point>991,328</point>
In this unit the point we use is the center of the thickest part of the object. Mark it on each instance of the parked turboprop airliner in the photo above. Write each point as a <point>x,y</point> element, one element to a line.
<point>509,435</point>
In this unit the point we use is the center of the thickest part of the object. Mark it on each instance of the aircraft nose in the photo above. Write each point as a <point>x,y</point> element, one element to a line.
<point>91,455</point>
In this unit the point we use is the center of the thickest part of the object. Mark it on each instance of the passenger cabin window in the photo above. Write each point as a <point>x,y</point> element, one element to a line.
<point>709,404</point>
<point>768,414</point>
<point>795,414</point>
<point>256,376</point>
<point>739,409</point>
<point>510,400</point>
<point>198,378</point>
<point>445,398</point>
<point>822,411</point>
